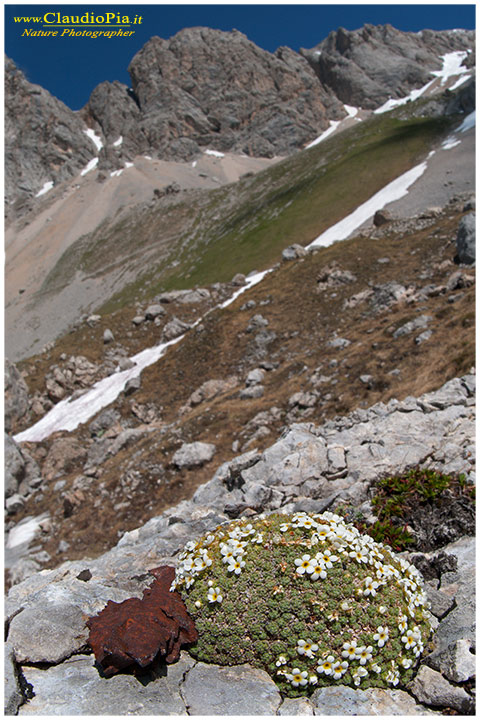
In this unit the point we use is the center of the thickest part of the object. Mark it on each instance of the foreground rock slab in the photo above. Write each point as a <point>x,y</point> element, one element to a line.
<point>343,700</point>
<point>240,690</point>
<point>76,688</point>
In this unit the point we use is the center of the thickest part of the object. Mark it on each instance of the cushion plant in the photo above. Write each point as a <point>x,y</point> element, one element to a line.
<point>307,598</point>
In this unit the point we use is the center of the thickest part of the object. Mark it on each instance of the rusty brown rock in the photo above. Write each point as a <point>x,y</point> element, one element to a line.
<point>138,630</point>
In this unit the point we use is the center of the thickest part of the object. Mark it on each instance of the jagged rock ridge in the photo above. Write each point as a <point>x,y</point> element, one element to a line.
<point>366,67</point>
<point>207,88</point>
<point>44,139</point>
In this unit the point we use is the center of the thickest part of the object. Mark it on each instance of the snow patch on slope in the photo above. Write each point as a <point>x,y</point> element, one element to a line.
<point>47,186</point>
<point>395,190</point>
<point>333,126</point>
<point>94,138</point>
<point>452,66</point>
<point>214,153</point>
<point>91,165</point>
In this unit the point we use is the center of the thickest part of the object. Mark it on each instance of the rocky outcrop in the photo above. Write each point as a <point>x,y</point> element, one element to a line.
<point>466,239</point>
<point>15,396</point>
<point>309,468</point>
<point>205,88</point>
<point>366,67</point>
<point>45,141</point>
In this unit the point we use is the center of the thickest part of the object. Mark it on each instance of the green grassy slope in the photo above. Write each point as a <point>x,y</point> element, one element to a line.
<point>205,237</point>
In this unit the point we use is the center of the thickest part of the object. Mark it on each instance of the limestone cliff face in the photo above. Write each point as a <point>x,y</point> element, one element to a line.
<point>206,88</point>
<point>44,140</point>
<point>366,67</point>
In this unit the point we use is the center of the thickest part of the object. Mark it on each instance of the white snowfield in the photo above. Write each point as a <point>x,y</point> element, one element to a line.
<point>25,531</point>
<point>333,126</point>
<point>118,142</point>
<point>47,186</point>
<point>395,190</point>
<point>452,66</point>
<point>453,141</point>
<point>91,165</point>
<point>214,153</point>
<point>94,138</point>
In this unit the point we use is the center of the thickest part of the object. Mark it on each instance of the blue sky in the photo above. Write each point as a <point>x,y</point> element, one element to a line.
<point>70,67</point>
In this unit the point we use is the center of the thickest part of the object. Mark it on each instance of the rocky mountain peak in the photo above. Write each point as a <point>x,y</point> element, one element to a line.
<point>208,88</point>
<point>366,67</point>
<point>44,139</point>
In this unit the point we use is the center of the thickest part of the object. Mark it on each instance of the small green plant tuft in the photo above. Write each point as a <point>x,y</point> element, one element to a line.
<point>307,598</point>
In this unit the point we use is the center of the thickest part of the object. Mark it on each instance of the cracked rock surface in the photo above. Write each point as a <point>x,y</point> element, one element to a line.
<point>309,468</point>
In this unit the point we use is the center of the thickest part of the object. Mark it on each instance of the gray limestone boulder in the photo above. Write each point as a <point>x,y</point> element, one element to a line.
<point>239,690</point>
<point>466,239</point>
<point>409,327</point>
<point>174,328</point>
<point>76,688</point>
<point>12,694</point>
<point>194,454</point>
<point>14,466</point>
<point>154,311</point>
<point>15,396</point>
<point>431,688</point>
<point>341,700</point>
<point>293,252</point>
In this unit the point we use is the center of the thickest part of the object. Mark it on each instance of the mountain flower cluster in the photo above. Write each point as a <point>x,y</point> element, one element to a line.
<point>307,598</point>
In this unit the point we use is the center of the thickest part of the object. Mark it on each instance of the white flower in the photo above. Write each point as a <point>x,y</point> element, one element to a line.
<point>322,532</point>
<point>363,654</point>
<point>407,663</point>
<point>236,566</point>
<point>284,527</point>
<point>327,666</point>
<point>371,587</point>
<point>317,570</point>
<point>303,520</point>
<point>306,647</point>
<point>198,603</point>
<point>402,623</point>
<point>361,555</point>
<point>257,539</point>
<point>349,650</point>
<point>381,636</point>
<point>409,639</point>
<point>393,676</point>
<point>298,677</point>
<point>313,679</point>
<point>282,660</point>
<point>326,558</point>
<point>214,595</point>
<point>202,563</point>
<point>339,669</point>
<point>358,673</point>
<point>304,564</point>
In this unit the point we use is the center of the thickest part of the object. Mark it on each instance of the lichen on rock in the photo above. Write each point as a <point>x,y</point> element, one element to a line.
<point>307,598</point>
